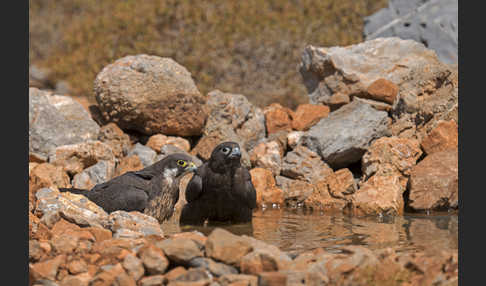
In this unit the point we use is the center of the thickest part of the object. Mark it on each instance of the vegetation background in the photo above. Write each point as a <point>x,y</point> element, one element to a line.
<point>251,47</point>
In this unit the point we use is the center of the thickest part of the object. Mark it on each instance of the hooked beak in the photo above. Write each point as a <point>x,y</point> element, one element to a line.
<point>235,153</point>
<point>192,167</point>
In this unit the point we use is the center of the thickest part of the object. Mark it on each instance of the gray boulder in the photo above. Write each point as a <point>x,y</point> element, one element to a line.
<point>152,95</point>
<point>431,22</point>
<point>343,137</point>
<point>56,120</point>
<point>146,154</point>
<point>98,173</point>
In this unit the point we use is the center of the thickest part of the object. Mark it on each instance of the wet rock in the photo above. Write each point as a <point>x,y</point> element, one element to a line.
<point>77,157</point>
<point>293,138</point>
<point>295,191</point>
<point>217,269</point>
<point>267,155</point>
<point>267,192</point>
<point>100,172</point>
<point>153,259</point>
<point>304,164</point>
<point>128,164</point>
<point>231,118</point>
<point>146,154</point>
<point>46,269</point>
<point>399,154</point>
<point>181,250</point>
<point>278,118</point>
<point>56,120</point>
<point>307,115</point>
<point>226,247</point>
<point>74,208</point>
<point>358,124</point>
<point>114,137</point>
<point>444,136</point>
<point>238,279</point>
<point>382,194</point>
<point>133,266</point>
<point>434,182</point>
<point>433,23</point>
<point>133,224</point>
<point>157,141</point>
<point>152,95</point>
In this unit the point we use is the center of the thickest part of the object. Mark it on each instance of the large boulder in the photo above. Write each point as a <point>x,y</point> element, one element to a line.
<point>343,137</point>
<point>431,22</point>
<point>151,95</point>
<point>434,182</point>
<point>56,120</point>
<point>231,118</point>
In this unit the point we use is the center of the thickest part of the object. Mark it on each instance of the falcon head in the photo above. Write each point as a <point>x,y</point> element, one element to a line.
<point>175,165</point>
<point>225,155</point>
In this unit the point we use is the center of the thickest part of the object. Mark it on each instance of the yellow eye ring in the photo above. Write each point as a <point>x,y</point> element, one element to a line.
<point>181,163</point>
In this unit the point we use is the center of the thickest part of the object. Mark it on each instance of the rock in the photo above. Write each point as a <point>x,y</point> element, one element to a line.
<point>433,23</point>
<point>238,279</point>
<point>100,172</point>
<point>378,105</point>
<point>382,90</point>
<point>341,183</point>
<point>77,157</point>
<point>295,191</point>
<point>272,278</point>
<point>153,259</point>
<point>343,137</point>
<point>264,260</point>
<point>128,164</point>
<point>231,118</point>
<point>304,164</point>
<point>322,200</point>
<point>267,192</point>
<point>46,269</point>
<point>267,155</point>
<point>337,100</point>
<point>174,273</point>
<point>434,182</point>
<point>180,251</point>
<point>82,279</point>
<point>112,275</point>
<point>443,137</point>
<point>293,138</point>
<point>133,224</point>
<point>158,140</point>
<point>74,208</point>
<point>77,266</point>
<point>216,269</point>
<point>152,95</point>
<point>45,175</point>
<point>399,154</point>
<point>38,250</point>
<point>146,154</point>
<point>56,120</point>
<point>153,280</point>
<point>308,115</point>
<point>382,194</point>
<point>278,118</point>
<point>193,276</point>
<point>195,236</point>
<point>114,137</point>
<point>226,247</point>
<point>133,266</point>
<point>38,230</point>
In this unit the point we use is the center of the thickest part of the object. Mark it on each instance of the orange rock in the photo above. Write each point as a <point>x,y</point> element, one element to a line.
<point>62,226</point>
<point>157,141</point>
<point>114,275</point>
<point>272,278</point>
<point>267,155</point>
<point>226,247</point>
<point>175,272</point>
<point>197,237</point>
<point>321,199</point>
<point>46,269</point>
<point>383,90</point>
<point>153,259</point>
<point>307,115</point>
<point>443,137</point>
<point>266,190</point>
<point>337,100</point>
<point>77,266</point>
<point>38,230</point>
<point>127,164</point>
<point>277,118</point>
<point>100,234</point>
<point>46,175</point>
<point>341,183</point>
<point>114,137</point>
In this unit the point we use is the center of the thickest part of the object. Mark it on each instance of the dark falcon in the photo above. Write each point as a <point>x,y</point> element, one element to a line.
<point>153,190</point>
<point>220,190</point>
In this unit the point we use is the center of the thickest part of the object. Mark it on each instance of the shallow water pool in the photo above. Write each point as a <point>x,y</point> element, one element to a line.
<point>295,231</point>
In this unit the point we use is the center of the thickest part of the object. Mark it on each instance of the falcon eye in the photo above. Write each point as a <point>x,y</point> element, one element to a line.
<point>225,150</point>
<point>181,163</point>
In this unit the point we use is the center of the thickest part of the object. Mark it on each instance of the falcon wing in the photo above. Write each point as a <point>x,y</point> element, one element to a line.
<point>244,188</point>
<point>195,187</point>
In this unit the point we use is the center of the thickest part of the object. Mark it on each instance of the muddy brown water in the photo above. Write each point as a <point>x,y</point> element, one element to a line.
<point>295,231</point>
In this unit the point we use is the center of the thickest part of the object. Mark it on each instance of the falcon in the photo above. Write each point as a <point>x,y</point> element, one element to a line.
<point>220,190</point>
<point>153,190</point>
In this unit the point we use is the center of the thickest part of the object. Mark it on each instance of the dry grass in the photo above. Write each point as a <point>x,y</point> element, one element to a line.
<point>251,47</point>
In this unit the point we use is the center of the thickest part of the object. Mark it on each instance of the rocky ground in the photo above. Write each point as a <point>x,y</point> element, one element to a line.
<point>379,136</point>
